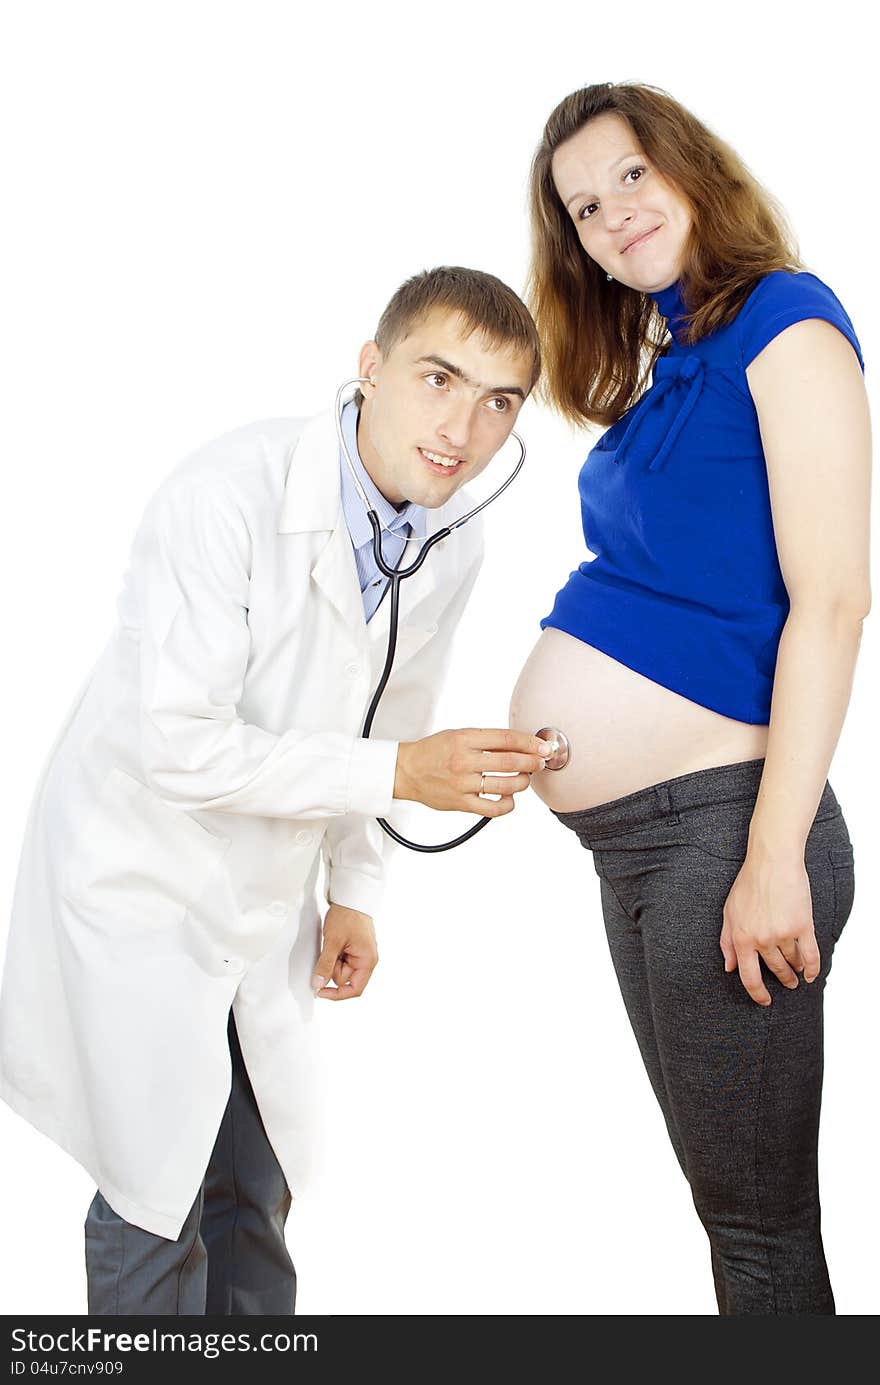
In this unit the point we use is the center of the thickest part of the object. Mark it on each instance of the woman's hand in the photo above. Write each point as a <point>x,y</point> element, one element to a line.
<point>769,914</point>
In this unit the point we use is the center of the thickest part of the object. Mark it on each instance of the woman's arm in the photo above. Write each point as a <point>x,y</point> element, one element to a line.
<point>812,408</point>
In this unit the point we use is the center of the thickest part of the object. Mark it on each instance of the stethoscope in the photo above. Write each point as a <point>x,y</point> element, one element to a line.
<point>395,577</point>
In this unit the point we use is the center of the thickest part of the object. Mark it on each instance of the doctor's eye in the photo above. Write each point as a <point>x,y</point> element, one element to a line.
<point>502,402</point>
<point>435,376</point>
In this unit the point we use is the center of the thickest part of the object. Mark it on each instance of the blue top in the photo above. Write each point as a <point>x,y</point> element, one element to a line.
<point>685,587</point>
<point>396,524</point>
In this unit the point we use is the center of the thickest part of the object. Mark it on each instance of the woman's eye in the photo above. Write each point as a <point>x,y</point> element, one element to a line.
<point>587,210</point>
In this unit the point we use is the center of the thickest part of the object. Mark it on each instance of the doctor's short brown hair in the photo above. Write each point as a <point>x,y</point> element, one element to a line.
<point>485,303</point>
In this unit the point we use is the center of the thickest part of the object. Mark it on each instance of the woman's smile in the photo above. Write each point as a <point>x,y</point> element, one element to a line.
<point>639,241</point>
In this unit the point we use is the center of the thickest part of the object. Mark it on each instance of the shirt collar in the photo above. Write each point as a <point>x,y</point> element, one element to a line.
<point>397,521</point>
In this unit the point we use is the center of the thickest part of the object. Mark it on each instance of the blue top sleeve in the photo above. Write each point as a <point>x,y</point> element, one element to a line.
<point>782,298</point>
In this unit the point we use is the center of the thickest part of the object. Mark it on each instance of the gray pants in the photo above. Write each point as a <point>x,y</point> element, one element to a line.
<point>230,1257</point>
<point>739,1084</point>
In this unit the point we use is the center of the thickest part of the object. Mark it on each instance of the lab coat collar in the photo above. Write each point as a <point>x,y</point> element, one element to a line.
<point>312,502</point>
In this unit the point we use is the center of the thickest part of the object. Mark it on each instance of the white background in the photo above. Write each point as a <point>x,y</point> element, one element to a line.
<point>208,205</point>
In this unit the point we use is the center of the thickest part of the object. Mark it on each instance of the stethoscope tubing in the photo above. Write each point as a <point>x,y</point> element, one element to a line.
<point>395,577</point>
<point>394,595</point>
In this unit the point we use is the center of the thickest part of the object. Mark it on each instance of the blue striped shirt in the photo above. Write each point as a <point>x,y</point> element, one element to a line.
<point>396,524</point>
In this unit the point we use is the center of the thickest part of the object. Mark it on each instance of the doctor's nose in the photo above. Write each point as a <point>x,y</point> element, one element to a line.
<point>455,425</point>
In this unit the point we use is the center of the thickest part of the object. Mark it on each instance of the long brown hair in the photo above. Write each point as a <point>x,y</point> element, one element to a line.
<point>599,340</point>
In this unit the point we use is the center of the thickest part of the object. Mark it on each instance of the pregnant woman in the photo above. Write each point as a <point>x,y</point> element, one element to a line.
<point>701,662</point>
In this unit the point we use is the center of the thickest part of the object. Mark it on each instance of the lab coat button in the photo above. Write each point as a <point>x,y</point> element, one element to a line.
<point>352,670</point>
<point>303,837</point>
<point>432,628</point>
<point>277,908</point>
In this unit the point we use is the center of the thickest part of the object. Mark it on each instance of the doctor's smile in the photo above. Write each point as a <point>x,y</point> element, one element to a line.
<point>438,459</point>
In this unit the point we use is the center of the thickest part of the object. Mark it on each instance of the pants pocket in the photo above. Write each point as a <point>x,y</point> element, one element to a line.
<point>843,874</point>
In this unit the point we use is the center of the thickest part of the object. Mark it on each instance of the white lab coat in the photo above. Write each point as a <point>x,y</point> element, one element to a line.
<point>172,849</point>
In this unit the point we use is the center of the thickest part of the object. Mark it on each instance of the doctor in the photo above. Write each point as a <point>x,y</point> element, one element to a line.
<point>165,946</point>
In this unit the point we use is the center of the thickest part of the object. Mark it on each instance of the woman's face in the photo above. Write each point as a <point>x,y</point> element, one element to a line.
<point>629,219</point>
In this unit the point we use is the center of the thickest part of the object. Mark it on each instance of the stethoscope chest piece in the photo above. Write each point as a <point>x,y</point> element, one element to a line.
<point>559,759</point>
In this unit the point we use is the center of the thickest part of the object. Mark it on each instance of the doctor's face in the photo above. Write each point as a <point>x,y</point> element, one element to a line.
<point>629,219</point>
<point>442,403</point>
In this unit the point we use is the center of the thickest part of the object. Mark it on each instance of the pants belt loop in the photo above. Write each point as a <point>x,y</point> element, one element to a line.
<point>664,799</point>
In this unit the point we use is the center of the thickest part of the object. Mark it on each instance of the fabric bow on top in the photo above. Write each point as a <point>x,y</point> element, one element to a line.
<point>683,373</point>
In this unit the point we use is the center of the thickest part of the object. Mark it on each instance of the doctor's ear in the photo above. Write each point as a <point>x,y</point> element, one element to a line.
<point>369,361</point>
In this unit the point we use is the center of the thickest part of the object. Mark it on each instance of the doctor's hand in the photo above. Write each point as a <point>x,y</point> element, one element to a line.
<point>450,770</point>
<point>349,955</point>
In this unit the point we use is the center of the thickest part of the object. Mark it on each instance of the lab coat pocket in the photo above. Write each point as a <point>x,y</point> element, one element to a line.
<point>136,859</point>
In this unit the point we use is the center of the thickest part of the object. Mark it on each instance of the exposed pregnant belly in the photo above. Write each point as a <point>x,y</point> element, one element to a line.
<point>625,731</point>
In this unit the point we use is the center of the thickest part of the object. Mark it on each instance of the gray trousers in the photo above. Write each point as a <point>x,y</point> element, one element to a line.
<point>230,1257</point>
<point>739,1084</point>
